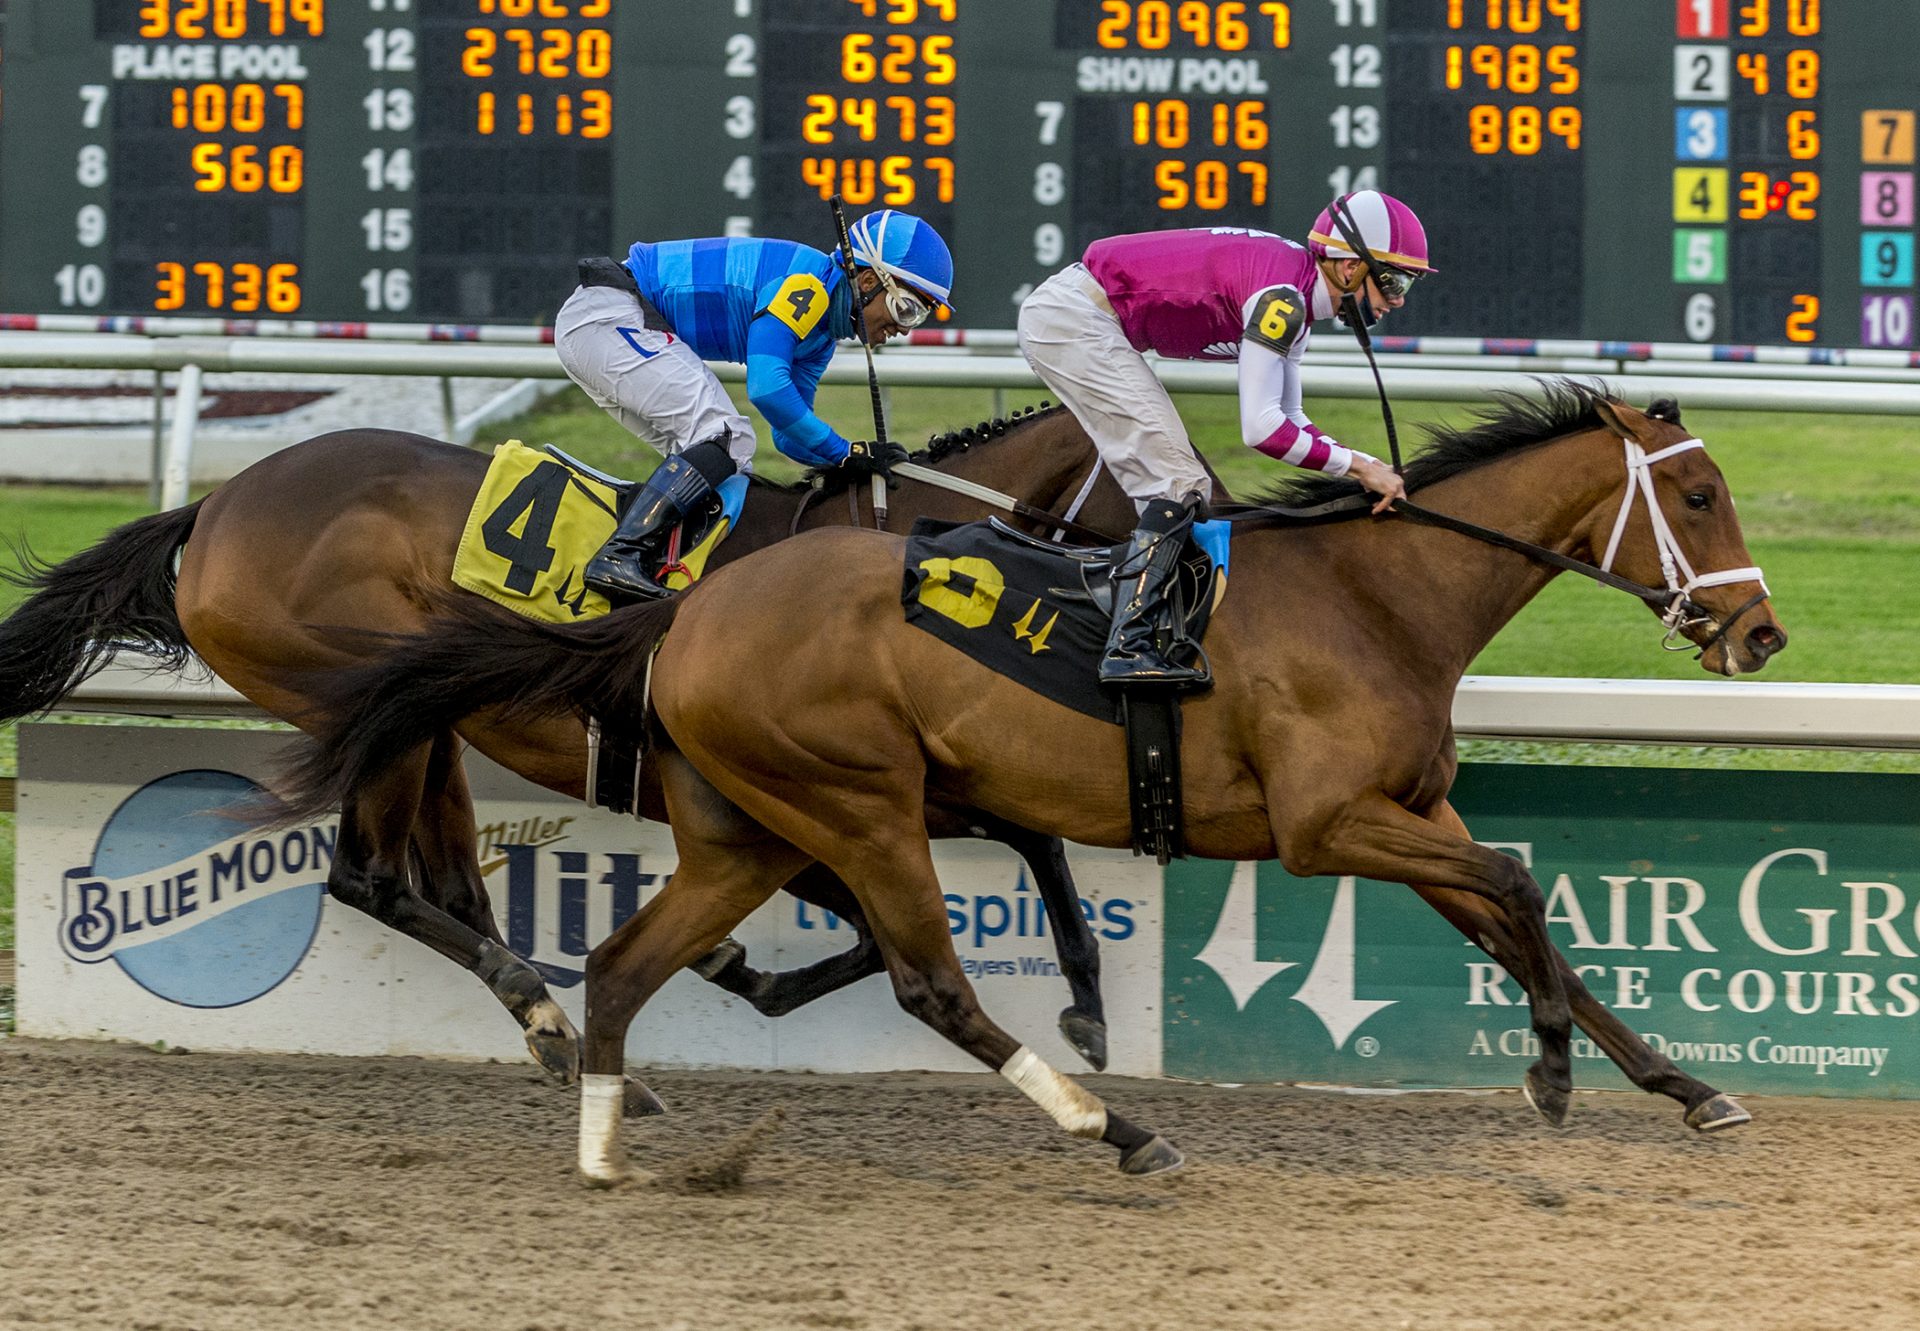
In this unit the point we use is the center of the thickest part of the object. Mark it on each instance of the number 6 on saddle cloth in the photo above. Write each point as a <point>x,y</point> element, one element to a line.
<point>539,517</point>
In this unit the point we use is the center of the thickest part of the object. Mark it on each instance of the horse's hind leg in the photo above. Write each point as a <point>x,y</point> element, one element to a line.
<point>370,874</point>
<point>1084,1022</point>
<point>776,993</point>
<point>728,867</point>
<point>1708,1110</point>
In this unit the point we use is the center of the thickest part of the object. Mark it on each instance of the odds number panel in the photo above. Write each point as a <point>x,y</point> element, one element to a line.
<point>1721,171</point>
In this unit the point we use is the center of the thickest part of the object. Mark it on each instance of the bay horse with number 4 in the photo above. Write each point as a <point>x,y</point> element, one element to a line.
<point>290,570</point>
<point>1326,740</point>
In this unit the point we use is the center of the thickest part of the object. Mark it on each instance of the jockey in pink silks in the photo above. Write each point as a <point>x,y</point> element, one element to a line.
<point>1211,293</point>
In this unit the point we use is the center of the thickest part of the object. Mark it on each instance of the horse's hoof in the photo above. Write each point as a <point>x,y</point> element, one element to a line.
<point>603,1181</point>
<point>553,1042</point>
<point>729,954</point>
<point>1549,1101</point>
<point>1718,1114</point>
<point>1087,1035</point>
<point>636,1101</point>
<point>1156,1155</point>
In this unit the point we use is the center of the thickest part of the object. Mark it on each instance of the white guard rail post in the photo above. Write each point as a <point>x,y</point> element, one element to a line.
<point>1874,717</point>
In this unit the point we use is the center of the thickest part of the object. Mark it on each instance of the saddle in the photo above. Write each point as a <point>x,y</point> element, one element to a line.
<point>1038,612</point>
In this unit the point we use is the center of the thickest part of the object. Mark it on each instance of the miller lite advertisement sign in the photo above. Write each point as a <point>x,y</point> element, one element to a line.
<point>158,902</point>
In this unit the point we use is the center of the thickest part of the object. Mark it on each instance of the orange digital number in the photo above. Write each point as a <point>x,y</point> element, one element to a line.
<point>1561,63</point>
<point>1803,74</point>
<point>1208,186</point>
<point>172,286</point>
<point>244,288</point>
<point>1802,197</point>
<point>1564,123</point>
<point>227,20</point>
<point>1803,139</point>
<point>1164,124</point>
<point>218,168</point>
<point>939,120</point>
<point>1801,324</point>
<point>476,62</point>
<point>1244,124</point>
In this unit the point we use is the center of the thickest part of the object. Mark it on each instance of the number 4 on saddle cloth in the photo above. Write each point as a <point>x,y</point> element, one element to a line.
<point>1038,613</point>
<point>538,519</point>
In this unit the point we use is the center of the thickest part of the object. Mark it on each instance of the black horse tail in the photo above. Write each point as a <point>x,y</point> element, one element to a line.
<point>114,597</point>
<point>472,656</point>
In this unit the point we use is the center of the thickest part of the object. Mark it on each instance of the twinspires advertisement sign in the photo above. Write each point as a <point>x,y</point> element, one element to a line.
<point>1761,929</point>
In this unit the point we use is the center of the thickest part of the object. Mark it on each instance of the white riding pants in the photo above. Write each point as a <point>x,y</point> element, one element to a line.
<point>1072,339</point>
<point>649,380</point>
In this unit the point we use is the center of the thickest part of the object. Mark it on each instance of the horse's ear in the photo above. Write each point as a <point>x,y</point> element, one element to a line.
<point>1622,419</point>
<point>1665,409</point>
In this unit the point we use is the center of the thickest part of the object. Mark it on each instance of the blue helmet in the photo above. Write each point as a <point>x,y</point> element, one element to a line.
<point>907,249</point>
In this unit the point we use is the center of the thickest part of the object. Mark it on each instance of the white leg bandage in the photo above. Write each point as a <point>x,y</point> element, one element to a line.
<point>601,1155</point>
<point>1073,1108</point>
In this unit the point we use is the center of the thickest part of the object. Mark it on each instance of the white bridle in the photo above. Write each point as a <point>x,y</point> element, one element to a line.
<point>1673,560</point>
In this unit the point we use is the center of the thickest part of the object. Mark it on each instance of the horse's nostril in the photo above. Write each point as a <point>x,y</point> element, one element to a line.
<point>1766,640</point>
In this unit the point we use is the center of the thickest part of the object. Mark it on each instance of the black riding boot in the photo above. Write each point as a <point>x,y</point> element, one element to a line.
<point>627,565</point>
<point>1140,608</point>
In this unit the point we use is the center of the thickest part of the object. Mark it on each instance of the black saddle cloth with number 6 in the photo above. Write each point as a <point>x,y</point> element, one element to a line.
<point>1029,609</point>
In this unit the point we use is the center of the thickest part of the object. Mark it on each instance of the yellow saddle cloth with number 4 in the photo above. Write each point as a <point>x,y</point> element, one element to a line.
<point>535,524</point>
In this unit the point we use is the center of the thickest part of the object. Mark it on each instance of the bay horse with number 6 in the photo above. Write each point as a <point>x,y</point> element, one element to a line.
<point>1326,740</point>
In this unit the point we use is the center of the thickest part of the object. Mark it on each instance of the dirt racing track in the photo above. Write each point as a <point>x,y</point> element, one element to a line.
<point>151,1191</point>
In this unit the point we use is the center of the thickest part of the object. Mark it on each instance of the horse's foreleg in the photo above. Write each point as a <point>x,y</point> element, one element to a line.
<point>776,993</point>
<point>1084,1023</point>
<point>909,920</point>
<point>1373,837</point>
<point>1708,1110</point>
<point>369,873</point>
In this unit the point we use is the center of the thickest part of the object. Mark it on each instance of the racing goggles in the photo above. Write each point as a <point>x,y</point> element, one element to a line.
<point>909,308</point>
<point>1394,283</point>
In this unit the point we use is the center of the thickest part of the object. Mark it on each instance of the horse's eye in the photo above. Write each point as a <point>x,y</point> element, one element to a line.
<point>1699,501</point>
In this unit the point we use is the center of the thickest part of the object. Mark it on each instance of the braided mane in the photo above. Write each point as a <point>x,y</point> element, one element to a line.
<point>939,448</point>
<point>942,446</point>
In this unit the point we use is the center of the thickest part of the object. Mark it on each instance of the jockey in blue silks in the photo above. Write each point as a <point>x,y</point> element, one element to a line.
<point>636,336</point>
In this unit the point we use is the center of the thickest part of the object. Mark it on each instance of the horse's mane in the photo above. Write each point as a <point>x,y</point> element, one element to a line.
<point>1514,421</point>
<point>939,449</point>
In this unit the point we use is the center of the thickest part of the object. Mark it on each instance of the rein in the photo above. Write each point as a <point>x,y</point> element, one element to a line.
<point>971,489</point>
<point>1674,603</point>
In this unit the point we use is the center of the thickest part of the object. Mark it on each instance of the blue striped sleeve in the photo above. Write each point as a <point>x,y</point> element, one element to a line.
<point>785,397</point>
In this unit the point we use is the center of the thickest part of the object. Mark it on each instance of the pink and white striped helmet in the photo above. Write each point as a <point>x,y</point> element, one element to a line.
<point>1386,226</point>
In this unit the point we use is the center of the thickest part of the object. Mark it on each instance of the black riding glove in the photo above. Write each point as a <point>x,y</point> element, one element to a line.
<point>866,458</point>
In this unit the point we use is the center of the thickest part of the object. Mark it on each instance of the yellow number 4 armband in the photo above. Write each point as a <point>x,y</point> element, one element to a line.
<point>800,303</point>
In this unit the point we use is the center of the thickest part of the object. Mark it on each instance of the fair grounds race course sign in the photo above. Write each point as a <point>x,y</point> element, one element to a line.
<point>1763,928</point>
<point>1760,927</point>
